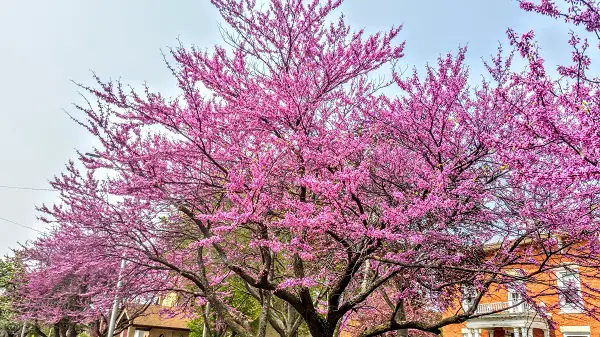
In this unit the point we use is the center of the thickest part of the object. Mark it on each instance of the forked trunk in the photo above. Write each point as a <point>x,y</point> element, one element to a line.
<point>321,330</point>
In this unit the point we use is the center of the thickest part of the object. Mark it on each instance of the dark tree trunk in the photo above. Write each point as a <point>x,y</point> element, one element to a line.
<point>95,329</point>
<point>320,329</point>
<point>401,316</point>
<point>56,330</point>
<point>72,330</point>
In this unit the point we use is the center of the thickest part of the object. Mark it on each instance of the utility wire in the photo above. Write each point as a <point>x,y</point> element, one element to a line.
<point>28,188</point>
<point>18,224</point>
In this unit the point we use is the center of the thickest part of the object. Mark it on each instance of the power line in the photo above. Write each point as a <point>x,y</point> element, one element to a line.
<point>18,224</point>
<point>28,188</point>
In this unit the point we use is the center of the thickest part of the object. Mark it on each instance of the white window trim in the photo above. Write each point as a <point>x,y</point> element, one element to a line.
<point>559,242</point>
<point>519,308</point>
<point>466,306</point>
<point>140,332</point>
<point>511,290</point>
<point>568,309</point>
<point>575,331</point>
<point>576,334</point>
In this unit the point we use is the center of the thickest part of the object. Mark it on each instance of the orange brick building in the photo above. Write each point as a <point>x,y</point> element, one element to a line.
<point>562,290</point>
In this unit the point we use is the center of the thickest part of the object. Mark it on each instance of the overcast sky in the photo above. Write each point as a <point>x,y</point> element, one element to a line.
<point>44,45</point>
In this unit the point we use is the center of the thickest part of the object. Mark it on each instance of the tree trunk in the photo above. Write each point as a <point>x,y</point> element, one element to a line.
<point>71,330</point>
<point>401,316</point>
<point>320,329</point>
<point>292,316</point>
<point>262,322</point>
<point>95,329</point>
<point>206,319</point>
<point>56,330</point>
<point>35,329</point>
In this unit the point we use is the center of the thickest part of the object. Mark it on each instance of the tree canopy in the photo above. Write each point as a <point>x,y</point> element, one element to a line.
<point>282,165</point>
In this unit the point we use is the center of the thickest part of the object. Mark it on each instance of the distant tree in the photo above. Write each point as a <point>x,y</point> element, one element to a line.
<point>10,325</point>
<point>52,290</point>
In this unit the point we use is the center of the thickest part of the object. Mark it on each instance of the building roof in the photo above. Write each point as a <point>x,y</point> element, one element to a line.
<point>153,318</point>
<point>526,241</point>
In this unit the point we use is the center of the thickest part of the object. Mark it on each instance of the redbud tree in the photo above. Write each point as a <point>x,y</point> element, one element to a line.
<point>64,286</point>
<point>282,165</point>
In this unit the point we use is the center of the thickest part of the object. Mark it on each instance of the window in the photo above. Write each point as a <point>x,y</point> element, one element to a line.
<point>569,290</point>
<point>559,242</point>
<point>468,298</point>
<point>514,298</point>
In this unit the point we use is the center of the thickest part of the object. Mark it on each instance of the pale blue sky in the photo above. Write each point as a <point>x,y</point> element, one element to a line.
<point>45,44</point>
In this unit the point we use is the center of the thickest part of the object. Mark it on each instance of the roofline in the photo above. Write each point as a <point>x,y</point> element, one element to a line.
<point>527,240</point>
<point>158,326</point>
<point>124,313</point>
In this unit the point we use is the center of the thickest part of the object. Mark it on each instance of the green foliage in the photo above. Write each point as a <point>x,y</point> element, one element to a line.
<point>83,333</point>
<point>196,327</point>
<point>238,298</point>
<point>7,269</point>
<point>9,325</point>
<point>242,300</point>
